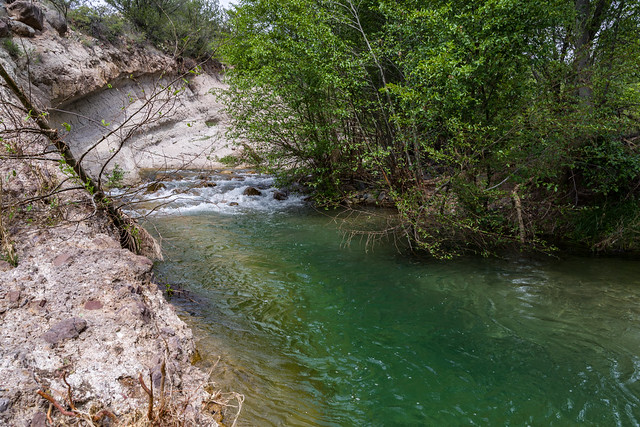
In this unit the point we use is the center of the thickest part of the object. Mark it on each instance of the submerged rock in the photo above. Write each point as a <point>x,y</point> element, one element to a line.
<point>155,186</point>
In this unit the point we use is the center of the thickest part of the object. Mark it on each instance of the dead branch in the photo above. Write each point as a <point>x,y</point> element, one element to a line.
<point>149,391</point>
<point>120,220</point>
<point>57,405</point>
<point>69,394</point>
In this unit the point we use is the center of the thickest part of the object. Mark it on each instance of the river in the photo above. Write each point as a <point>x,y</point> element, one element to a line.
<point>315,332</point>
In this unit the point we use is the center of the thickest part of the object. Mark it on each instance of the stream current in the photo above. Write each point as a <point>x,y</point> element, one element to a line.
<point>318,333</point>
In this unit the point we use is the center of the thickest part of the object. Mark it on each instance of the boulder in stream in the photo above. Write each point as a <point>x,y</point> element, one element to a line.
<point>155,186</point>
<point>252,191</point>
<point>280,195</point>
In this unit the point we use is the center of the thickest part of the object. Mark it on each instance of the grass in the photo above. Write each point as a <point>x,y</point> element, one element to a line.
<point>12,48</point>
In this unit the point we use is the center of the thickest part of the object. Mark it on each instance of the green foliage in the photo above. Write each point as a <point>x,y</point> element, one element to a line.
<point>458,108</point>
<point>229,161</point>
<point>116,177</point>
<point>64,6</point>
<point>99,22</point>
<point>180,27</point>
<point>11,47</point>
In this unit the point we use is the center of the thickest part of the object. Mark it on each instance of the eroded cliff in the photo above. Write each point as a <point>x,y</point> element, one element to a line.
<point>81,322</point>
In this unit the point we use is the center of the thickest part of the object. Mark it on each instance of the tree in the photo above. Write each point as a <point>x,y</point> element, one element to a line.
<point>456,108</point>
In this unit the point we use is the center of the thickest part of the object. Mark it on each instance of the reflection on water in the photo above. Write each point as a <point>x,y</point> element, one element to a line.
<point>314,333</point>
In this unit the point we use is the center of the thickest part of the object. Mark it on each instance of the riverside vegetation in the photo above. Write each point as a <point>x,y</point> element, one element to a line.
<point>489,123</point>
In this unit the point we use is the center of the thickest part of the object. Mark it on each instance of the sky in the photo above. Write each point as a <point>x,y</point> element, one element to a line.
<point>226,3</point>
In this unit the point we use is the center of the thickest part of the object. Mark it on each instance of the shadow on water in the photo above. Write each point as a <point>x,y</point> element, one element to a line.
<point>317,333</point>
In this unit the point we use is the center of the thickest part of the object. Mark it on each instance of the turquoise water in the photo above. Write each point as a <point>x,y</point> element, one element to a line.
<point>317,333</point>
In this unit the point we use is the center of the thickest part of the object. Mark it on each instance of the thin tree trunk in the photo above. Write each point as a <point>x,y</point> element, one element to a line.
<point>122,222</point>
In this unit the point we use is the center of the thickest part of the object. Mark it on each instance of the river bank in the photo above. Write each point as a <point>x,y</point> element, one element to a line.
<point>84,331</point>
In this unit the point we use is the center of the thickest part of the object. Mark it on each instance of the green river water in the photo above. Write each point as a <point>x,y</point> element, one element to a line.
<point>316,333</point>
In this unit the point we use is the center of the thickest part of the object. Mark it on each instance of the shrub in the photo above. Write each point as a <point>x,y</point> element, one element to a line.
<point>99,22</point>
<point>180,27</point>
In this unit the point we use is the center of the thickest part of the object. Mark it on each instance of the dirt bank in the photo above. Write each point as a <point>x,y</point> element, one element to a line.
<point>82,326</point>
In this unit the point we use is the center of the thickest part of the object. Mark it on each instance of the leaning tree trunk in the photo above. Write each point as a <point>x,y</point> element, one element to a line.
<point>128,228</point>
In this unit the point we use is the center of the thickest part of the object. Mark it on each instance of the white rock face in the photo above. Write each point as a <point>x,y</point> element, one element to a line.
<point>143,108</point>
<point>127,328</point>
<point>151,122</point>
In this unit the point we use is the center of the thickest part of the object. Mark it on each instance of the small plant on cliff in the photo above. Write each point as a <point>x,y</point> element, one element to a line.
<point>114,179</point>
<point>7,251</point>
<point>12,48</point>
<point>230,161</point>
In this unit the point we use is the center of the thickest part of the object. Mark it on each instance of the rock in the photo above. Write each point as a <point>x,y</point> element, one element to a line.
<point>233,204</point>
<point>22,30</point>
<point>155,186</point>
<point>64,330</point>
<point>93,304</point>
<point>58,23</point>
<point>369,198</point>
<point>5,266</point>
<point>4,404</point>
<point>61,259</point>
<point>39,420</point>
<point>14,296</point>
<point>280,195</point>
<point>207,184</point>
<point>27,13</point>
<point>252,191</point>
<point>5,31</point>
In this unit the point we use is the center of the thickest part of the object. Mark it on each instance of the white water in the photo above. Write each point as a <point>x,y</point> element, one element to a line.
<point>189,195</point>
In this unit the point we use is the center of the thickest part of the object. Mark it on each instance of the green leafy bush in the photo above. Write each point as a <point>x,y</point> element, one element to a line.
<point>179,27</point>
<point>100,23</point>
<point>488,122</point>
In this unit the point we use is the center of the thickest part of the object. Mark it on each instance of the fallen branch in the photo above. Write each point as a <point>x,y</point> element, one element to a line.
<point>58,406</point>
